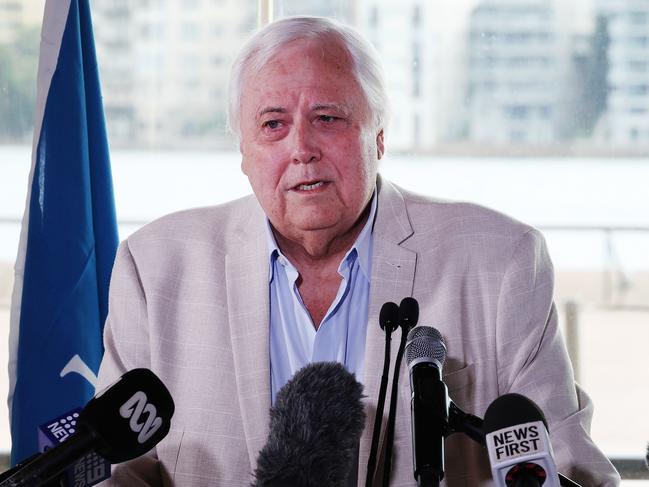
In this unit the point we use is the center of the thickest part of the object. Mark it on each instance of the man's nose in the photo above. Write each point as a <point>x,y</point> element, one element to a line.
<point>305,146</point>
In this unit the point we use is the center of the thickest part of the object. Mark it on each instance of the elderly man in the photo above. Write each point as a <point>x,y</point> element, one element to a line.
<point>226,303</point>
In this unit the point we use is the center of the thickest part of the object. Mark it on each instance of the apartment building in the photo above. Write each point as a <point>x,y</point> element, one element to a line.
<point>626,118</point>
<point>164,68</point>
<point>16,15</point>
<point>517,64</point>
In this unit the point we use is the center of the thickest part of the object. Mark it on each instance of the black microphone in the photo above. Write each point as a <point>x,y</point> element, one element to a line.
<point>519,446</point>
<point>425,356</point>
<point>388,321</point>
<point>90,469</point>
<point>122,422</point>
<point>408,316</point>
<point>315,429</point>
<point>408,313</point>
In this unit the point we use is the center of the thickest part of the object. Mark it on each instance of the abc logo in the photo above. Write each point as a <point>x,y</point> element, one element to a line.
<point>137,407</point>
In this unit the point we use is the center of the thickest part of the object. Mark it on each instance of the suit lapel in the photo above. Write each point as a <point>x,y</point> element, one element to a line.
<point>248,306</point>
<point>393,273</point>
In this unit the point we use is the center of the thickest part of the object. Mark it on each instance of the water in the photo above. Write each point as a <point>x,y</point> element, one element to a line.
<point>543,192</point>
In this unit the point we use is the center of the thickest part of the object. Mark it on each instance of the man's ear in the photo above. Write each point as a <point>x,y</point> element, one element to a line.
<point>242,166</point>
<point>380,148</point>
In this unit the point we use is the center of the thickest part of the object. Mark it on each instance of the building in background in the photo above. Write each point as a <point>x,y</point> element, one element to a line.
<point>164,68</point>
<point>342,10</point>
<point>20,23</point>
<point>409,46</point>
<point>115,33</point>
<point>517,70</point>
<point>463,76</point>
<point>626,119</point>
<point>18,15</point>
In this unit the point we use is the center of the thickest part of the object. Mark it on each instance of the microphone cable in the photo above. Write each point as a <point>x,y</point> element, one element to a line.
<point>388,321</point>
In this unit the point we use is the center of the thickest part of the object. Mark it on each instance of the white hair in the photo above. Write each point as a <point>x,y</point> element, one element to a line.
<point>266,43</point>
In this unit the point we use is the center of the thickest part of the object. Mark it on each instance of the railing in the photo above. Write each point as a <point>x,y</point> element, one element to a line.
<point>612,265</point>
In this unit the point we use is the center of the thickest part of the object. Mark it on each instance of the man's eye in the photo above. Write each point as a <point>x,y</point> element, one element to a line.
<point>327,118</point>
<point>271,124</point>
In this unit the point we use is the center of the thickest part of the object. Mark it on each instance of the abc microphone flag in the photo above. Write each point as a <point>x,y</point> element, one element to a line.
<point>124,421</point>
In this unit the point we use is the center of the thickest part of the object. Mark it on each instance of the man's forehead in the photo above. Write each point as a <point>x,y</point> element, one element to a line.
<point>329,50</point>
<point>328,58</point>
<point>305,75</point>
<point>287,94</point>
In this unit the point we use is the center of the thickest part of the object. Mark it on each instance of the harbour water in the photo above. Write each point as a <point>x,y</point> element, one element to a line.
<point>545,192</point>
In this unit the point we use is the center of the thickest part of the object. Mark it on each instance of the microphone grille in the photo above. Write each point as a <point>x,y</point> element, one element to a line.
<point>425,342</point>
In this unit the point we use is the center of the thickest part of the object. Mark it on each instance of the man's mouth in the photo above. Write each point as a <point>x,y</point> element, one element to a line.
<point>309,186</point>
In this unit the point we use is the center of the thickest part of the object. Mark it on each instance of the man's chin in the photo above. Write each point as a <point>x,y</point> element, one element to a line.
<point>311,225</point>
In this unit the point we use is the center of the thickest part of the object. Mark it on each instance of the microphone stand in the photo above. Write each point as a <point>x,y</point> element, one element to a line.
<point>428,479</point>
<point>461,422</point>
<point>40,471</point>
<point>55,482</point>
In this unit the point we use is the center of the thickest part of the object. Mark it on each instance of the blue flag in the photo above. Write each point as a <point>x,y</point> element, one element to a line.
<point>69,236</point>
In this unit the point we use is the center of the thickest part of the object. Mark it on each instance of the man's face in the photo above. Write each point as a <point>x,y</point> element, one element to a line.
<point>308,144</point>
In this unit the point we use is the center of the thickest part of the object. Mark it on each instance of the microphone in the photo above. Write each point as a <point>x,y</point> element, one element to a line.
<point>388,321</point>
<point>425,356</point>
<point>122,422</point>
<point>518,444</point>
<point>407,318</point>
<point>315,428</point>
<point>408,313</point>
<point>88,470</point>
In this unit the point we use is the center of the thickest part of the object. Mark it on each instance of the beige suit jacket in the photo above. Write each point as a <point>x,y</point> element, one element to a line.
<point>189,299</point>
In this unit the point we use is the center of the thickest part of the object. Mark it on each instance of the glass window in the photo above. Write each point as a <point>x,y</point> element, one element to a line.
<point>19,42</point>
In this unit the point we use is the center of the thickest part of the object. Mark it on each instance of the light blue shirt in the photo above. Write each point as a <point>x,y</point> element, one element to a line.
<point>294,341</point>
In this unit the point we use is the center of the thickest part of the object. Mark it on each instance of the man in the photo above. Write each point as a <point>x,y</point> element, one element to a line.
<point>226,303</point>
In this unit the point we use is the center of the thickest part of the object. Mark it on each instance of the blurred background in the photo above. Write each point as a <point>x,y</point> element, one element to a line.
<point>539,109</point>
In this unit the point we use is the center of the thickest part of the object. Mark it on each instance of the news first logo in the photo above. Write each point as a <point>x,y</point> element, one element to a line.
<point>518,441</point>
<point>87,471</point>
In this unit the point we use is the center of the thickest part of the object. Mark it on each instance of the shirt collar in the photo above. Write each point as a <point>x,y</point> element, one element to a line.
<point>362,248</point>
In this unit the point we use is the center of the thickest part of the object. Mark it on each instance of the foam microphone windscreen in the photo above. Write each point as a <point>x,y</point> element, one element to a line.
<point>408,313</point>
<point>315,427</point>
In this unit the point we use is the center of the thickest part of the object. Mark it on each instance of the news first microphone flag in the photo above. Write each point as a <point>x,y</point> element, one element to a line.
<point>68,238</point>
